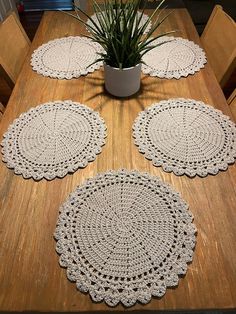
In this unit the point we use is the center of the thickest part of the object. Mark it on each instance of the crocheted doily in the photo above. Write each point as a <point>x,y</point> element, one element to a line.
<point>143,20</point>
<point>66,58</point>
<point>53,139</point>
<point>173,58</point>
<point>186,136</point>
<point>124,237</point>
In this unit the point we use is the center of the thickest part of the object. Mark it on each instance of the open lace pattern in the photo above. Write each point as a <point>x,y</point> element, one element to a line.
<point>67,57</point>
<point>186,136</point>
<point>125,236</point>
<point>174,57</point>
<point>143,20</point>
<point>53,139</point>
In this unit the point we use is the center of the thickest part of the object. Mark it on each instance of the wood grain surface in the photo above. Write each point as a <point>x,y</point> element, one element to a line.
<point>30,276</point>
<point>14,46</point>
<point>220,35</point>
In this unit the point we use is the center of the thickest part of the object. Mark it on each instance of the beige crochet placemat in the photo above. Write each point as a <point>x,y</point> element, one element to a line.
<point>53,139</point>
<point>143,20</point>
<point>66,58</point>
<point>125,236</point>
<point>174,57</point>
<point>186,136</point>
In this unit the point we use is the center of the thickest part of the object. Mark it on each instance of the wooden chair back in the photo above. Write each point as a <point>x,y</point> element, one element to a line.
<point>232,103</point>
<point>219,42</point>
<point>14,46</point>
<point>2,109</point>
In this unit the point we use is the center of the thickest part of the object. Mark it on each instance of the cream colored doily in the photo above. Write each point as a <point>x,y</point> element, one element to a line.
<point>53,139</point>
<point>186,136</point>
<point>174,57</point>
<point>66,58</point>
<point>125,236</point>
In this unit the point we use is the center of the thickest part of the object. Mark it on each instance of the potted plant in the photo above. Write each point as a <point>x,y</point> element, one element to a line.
<point>125,40</point>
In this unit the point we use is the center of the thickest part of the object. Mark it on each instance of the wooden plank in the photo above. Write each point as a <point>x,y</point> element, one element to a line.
<point>14,46</point>
<point>4,75</point>
<point>30,277</point>
<point>232,103</point>
<point>219,41</point>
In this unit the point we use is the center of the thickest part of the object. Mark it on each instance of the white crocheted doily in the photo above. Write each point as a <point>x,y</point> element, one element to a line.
<point>66,58</point>
<point>173,58</point>
<point>186,136</point>
<point>143,20</point>
<point>53,139</point>
<point>125,236</point>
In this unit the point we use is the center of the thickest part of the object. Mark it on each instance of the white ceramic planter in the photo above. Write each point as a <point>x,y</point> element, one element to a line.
<point>122,82</point>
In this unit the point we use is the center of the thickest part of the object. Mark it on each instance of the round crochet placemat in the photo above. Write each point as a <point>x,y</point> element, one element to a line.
<point>186,136</point>
<point>125,236</point>
<point>53,139</point>
<point>66,58</point>
<point>143,20</point>
<point>174,57</point>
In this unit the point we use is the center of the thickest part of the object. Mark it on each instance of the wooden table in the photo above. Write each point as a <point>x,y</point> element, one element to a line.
<point>30,277</point>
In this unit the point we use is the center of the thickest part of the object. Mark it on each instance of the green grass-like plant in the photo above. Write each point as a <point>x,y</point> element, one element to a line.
<point>119,32</point>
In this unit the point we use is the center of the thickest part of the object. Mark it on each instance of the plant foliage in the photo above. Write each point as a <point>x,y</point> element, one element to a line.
<point>119,32</point>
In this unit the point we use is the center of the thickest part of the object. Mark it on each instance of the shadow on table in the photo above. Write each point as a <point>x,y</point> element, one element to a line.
<point>147,91</point>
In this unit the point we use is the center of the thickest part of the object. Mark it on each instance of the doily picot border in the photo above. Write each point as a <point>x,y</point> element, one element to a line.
<point>201,61</point>
<point>7,136</point>
<point>97,294</point>
<point>36,60</point>
<point>223,166</point>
